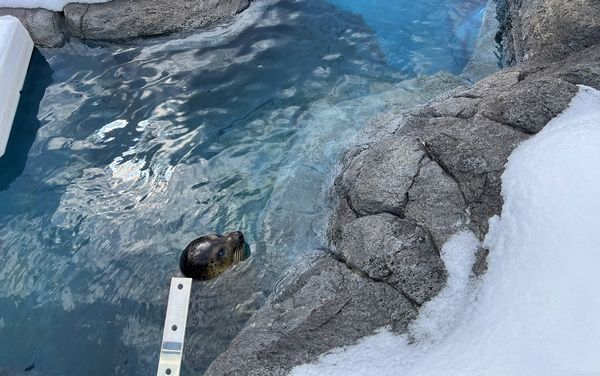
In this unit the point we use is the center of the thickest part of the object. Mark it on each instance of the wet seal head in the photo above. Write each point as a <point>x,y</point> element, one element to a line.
<point>210,255</point>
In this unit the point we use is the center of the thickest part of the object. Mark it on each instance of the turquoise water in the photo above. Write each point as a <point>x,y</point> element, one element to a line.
<point>422,37</point>
<point>123,153</point>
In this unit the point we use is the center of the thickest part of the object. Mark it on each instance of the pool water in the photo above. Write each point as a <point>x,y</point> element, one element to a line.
<point>121,154</point>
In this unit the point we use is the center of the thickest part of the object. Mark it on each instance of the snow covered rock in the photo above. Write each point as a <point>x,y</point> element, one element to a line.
<point>534,313</point>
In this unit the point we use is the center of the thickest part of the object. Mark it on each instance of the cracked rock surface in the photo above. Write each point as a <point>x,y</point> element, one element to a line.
<point>434,171</point>
<point>395,251</point>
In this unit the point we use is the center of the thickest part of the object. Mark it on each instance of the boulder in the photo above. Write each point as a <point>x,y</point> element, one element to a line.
<point>44,26</point>
<point>547,30</point>
<point>377,180</point>
<point>433,192</point>
<point>327,305</point>
<point>122,19</point>
<point>395,251</point>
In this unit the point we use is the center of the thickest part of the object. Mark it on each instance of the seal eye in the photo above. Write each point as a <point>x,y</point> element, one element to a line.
<point>221,253</point>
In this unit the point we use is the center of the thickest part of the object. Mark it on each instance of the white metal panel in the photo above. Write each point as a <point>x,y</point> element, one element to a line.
<point>171,351</point>
<point>16,47</point>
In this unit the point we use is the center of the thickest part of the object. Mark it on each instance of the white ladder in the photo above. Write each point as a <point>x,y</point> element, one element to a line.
<point>171,350</point>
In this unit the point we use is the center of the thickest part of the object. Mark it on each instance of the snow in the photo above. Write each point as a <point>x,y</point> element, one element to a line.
<point>537,309</point>
<point>55,5</point>
<point>385,352</point>
<point>15,51</point>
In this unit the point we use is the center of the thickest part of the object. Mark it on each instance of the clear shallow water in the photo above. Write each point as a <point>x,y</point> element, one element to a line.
<point>125,153</point>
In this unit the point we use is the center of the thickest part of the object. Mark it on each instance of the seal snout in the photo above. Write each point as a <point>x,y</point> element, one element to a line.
<point>210,255</point>
<point>237,236</point>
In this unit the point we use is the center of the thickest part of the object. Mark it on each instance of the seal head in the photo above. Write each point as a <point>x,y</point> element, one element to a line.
<point>210,255</point>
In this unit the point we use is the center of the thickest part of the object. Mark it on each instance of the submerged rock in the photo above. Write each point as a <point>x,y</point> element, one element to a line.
<point>479,65</point>
<point>123,19</point>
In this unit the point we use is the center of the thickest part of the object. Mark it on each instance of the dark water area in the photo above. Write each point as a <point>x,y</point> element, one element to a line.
<point>122,154</point>
<point>26,123</point>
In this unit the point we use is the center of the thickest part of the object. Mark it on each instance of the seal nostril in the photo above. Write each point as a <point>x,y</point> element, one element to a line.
<point>239,235</point>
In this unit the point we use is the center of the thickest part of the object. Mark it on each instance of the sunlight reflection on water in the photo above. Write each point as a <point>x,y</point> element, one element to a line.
<point>144,146</point>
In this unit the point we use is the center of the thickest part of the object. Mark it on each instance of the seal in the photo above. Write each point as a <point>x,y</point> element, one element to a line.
<point>210,255</point>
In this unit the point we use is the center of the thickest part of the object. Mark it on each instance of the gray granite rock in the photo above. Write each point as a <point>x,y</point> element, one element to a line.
<point>473,153</point>
<point>123,19</point>
<point>547,30</point>
<point>44,26</point>
<point>529,105</point>
<point>580,69</point>
<point>480,265</point>
<point>433,192</point>
<point>396,251</point>
<point>385,168</point>
<point>326,306</point>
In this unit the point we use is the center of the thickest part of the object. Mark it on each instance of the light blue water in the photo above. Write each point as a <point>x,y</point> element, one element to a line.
<point>122,154</point>
<point>422,36</point>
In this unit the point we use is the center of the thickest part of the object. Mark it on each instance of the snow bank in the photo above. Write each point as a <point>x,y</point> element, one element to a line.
<point>538,307</point>
<point>15,51</point>
<point>56,5</point>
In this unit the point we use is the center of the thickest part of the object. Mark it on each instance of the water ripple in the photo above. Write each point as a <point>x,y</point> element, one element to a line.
<point>147,145</point>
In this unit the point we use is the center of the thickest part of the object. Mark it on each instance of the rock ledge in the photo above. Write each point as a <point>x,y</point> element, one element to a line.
<point>123,19</point>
